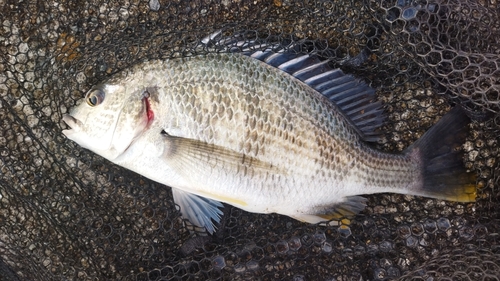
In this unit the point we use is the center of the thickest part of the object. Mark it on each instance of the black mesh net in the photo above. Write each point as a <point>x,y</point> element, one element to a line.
<point>68,214</point>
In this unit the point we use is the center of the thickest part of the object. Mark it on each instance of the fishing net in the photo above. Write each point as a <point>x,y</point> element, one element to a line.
<point>68,214</point>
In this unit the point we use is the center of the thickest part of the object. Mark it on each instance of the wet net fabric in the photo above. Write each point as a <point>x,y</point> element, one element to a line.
<point>68,214</point>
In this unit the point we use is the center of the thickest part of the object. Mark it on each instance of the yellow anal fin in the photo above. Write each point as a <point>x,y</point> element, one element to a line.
<point>335,217</point>
<point>340,212</point>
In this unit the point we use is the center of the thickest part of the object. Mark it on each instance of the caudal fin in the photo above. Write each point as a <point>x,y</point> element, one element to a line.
<point>440,154</point>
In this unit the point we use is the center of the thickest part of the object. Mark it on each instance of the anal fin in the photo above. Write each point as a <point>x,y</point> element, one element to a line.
<point>341,211</point>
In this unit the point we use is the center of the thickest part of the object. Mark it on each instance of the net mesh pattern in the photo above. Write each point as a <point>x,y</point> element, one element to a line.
<point>68,214</point>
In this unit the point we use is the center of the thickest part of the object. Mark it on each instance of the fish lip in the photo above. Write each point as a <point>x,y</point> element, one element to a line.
<point>73,123</point>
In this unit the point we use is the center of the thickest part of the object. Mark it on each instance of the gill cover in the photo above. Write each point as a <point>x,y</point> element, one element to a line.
<point>108,119</point>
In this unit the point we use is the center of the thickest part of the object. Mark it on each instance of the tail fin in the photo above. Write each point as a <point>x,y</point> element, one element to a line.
<point>440,154</point>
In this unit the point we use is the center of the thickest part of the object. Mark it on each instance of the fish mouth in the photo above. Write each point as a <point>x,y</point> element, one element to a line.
<point>73,123</point>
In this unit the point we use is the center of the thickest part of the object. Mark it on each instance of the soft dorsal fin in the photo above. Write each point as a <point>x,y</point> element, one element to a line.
<point>354,98</point>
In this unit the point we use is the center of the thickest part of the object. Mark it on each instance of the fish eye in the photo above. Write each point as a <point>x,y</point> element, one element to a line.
<point>95,97</point>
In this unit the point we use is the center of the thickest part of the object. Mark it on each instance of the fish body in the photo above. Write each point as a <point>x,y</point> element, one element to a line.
<point>228,127</point>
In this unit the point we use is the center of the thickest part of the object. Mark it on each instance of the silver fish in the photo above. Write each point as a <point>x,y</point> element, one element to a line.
<point>267,132</point>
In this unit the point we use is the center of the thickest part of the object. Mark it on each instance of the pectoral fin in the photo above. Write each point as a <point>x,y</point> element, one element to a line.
<point>198,163</point>
<point>200,211</point>
<point>191,155</point>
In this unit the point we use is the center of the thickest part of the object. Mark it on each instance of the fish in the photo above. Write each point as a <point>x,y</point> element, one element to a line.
<point>265,129</point>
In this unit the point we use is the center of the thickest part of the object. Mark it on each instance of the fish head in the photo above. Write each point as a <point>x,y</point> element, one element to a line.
<point>109,118</point>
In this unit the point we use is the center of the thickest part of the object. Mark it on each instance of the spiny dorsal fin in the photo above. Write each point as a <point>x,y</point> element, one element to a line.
<point>355,99</point>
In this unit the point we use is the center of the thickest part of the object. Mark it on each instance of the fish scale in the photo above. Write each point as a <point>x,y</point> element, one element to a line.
<point>231,128</point>
<point>290,101</point>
